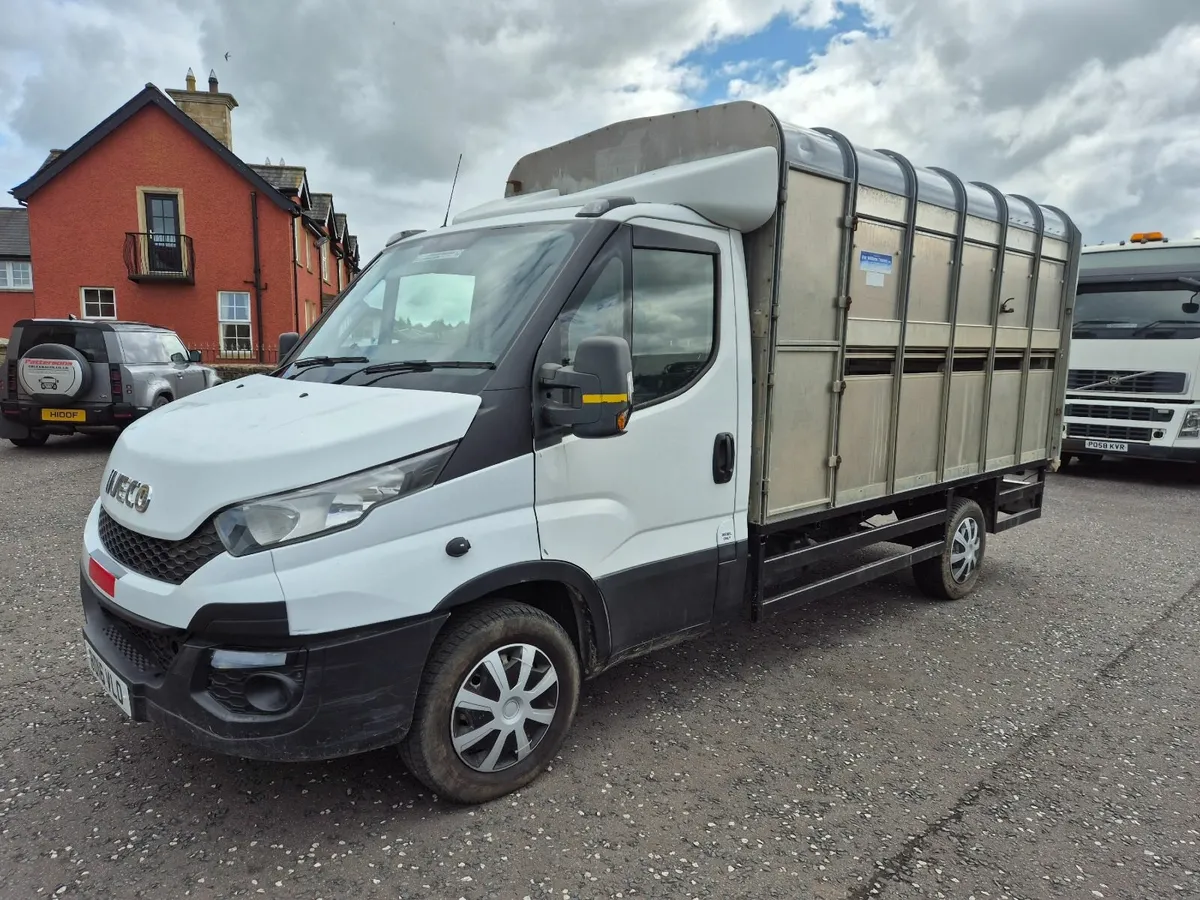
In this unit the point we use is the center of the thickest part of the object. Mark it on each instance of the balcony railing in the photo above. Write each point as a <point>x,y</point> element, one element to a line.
<point>160,257</point>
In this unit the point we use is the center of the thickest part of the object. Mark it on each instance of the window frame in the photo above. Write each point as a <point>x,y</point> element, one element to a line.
<point>7,266</point>
<point>222,322</point>
<point>325,262</point>
<point>83,302</point>
<point>623,245</point>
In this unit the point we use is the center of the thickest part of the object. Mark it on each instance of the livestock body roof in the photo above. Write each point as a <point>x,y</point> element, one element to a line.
<point>628,151</point>
<point>14,232</point>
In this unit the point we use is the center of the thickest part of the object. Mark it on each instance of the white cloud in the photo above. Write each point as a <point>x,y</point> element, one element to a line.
<point>1090,106</point>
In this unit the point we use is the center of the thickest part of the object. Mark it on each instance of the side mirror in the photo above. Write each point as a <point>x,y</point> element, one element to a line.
<point>598,389</point>
<point>1191,307</point>
<point>287,343</point>
<point>194,356</point>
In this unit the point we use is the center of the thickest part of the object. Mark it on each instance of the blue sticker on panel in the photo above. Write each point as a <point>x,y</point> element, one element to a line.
<point>875,262</point>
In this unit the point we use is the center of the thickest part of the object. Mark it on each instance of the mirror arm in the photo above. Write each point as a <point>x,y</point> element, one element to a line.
<point>577,384</point>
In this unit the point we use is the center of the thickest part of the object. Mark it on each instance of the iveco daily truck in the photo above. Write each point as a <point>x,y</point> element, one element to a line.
<point>1132,381</point>
<point>691,367</point>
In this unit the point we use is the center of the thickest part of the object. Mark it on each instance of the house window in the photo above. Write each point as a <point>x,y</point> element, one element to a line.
<point>99,303</point>
<point>233,315</point>
<point>16,275</point>
<point>325,262</point>
<point>296,237</point>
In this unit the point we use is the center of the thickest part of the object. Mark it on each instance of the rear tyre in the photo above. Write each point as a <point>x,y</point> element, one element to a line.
<point>955,571</point>
<point>160,401</point>
<point>35,439</point>
<point>497,698</point>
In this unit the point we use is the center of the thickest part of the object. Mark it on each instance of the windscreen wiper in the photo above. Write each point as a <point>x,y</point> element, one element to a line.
<point>327,361</point>
<point>1149,326</point>
<point>415,365</point>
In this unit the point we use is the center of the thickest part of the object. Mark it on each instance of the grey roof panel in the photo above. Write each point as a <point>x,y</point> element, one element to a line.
<point>14,231</point>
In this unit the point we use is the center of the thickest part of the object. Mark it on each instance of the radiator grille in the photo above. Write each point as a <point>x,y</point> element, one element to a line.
<point>1126,381</point>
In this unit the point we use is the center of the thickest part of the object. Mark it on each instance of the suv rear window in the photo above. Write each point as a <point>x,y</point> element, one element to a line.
<point>88,341</point>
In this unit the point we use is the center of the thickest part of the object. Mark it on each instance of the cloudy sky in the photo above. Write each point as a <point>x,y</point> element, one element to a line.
<point>1092,105</point>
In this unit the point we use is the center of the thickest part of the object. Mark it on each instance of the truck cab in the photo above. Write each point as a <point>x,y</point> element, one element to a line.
<point>1133,386</point>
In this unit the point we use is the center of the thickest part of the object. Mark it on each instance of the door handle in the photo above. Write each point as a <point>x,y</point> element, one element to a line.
<point>722,464</point>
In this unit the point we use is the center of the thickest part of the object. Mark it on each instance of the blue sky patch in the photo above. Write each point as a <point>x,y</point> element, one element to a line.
<point>780,46</point>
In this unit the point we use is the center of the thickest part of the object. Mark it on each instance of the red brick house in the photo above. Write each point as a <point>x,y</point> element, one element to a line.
<point>16,268</point>
<point>151,217</point>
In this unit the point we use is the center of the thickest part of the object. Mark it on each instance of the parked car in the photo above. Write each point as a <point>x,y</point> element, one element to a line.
<point>74,375</point>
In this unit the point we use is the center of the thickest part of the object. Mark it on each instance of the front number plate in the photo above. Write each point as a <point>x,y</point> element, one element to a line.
<point>64,415</point>
<point>117,689</point>
<point>1107,446</point>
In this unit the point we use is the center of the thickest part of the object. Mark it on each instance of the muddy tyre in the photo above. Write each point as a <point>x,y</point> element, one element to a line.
<point>953,573</point>
<point>497,698</point>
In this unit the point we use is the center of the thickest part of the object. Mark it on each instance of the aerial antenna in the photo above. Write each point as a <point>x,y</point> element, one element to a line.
<point>452,184</point>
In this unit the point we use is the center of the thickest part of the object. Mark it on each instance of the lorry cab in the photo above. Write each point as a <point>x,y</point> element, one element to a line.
<point>1133,389</point>
<point>629,402</point>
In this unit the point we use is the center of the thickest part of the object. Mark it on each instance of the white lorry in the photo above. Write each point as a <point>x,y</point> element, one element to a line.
<point>1133,384</point>
<point>685,371</point>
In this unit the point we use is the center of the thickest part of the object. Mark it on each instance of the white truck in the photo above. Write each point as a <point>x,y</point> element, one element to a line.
<point>691,368</point>
<point>1133,384</point>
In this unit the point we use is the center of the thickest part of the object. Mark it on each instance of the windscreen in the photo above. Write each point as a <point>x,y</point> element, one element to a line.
<point>1150,311</point>
<point>460,296</point>
<point>88,341</point>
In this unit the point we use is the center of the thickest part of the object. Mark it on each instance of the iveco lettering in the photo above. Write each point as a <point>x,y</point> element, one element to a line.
<point>680,374</point>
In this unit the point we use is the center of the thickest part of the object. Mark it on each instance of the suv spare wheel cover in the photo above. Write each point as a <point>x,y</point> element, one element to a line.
<point>54,372</point>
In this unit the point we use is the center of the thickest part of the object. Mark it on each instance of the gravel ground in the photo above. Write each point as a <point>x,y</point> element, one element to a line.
<point>1039,739</point>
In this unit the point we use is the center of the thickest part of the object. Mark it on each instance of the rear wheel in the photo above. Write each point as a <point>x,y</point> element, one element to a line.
<point>160,401</point>
<point>35,439</point>
<point>953,573</point>
<point>496,701</point>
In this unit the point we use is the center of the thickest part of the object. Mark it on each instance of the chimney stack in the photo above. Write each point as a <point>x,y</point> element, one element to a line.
<point>209,109</point>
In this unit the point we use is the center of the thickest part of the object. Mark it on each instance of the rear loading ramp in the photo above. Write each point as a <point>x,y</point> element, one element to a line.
<point>909,328</point>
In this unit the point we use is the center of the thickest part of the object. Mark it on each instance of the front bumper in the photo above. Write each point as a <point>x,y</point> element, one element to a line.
<point>1164,452</point>
<point>354,691</point>
<point>19,418</point>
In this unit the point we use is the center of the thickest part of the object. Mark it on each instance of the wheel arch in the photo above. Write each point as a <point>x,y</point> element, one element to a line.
<point>563,591</point>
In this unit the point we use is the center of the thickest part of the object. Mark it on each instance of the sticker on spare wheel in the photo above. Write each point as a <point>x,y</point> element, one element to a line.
<point>49,376</point>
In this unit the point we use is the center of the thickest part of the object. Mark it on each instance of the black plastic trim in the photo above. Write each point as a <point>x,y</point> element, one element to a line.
<point>502,430</point>
<point>576,579</point>
<point>648,238</point>
<point>240,621</point>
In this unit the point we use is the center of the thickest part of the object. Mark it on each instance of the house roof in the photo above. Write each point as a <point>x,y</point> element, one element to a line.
<point>14,231</point>
<point>289,179</point>
<point>147,96</point>
<point>339,225</point>
<point>50,157</point>
<point>322,205</point>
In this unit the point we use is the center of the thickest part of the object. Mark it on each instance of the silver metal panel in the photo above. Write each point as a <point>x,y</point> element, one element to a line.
<point>872,333</point>
<point>935,218</point>
<point>882,205</point>
<point>1011,338</point>
<point>875,295</point>
<point>798,452</point>
<point>1002,419</point>
<point>1047,307</point>
<point>982,231</point>
<point>973,337</point>
<point>1048,339</point>
<point>926,335</point>
<point>810,266</point>
<point>1014,288</point>
<point>1037,409</point>
<point>932,262</point>
<point>918,428</point>
<point>964,424</point>
<point>865,426</point>
<point>975,286</point>
<point>1056,249</point>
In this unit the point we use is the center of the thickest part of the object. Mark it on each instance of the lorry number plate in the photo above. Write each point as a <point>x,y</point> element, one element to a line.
<point>1107,446</point>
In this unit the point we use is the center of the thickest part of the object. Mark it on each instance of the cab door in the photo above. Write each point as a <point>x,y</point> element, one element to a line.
<point>646,513</point>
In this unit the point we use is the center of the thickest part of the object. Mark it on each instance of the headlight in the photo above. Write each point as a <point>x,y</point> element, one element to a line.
<point>1191,424</point>
<point>329,506</point>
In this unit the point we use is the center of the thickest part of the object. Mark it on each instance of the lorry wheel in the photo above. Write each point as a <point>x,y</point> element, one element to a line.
<point>35,439</point>
<point>496,701</point>
<point>953,573</point>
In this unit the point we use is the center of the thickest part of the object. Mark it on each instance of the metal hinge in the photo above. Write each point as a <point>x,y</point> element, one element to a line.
<point>837,387</point>
<point>842,302</point>
<point>848,222</point>
<point>833,462</point>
